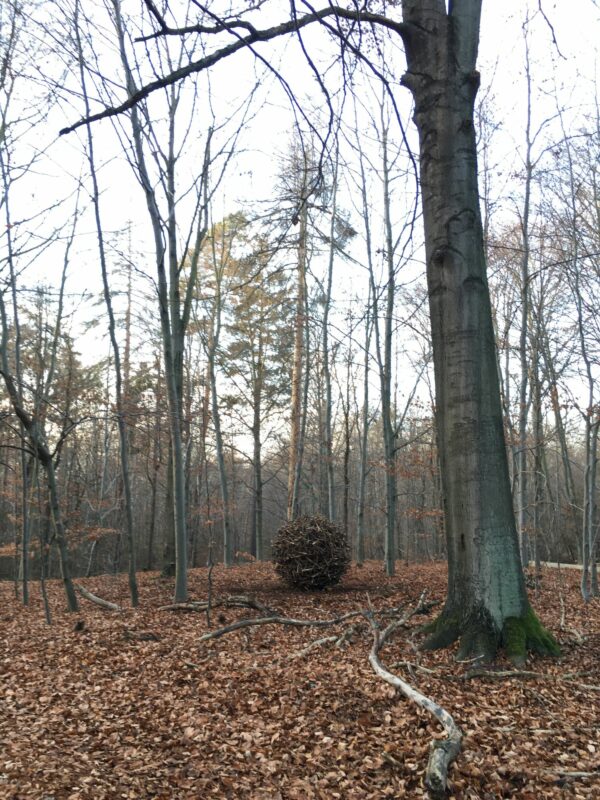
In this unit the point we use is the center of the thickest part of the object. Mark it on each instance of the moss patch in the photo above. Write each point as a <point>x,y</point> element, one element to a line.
<point>479,636</point>
<point>524,633</point>
<point>443,631</point>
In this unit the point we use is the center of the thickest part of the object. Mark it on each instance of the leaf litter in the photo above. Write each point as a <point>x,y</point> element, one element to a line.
<point>130,704</point>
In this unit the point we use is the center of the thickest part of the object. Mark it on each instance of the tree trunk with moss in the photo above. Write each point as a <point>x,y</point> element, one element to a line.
<point>487,605</point>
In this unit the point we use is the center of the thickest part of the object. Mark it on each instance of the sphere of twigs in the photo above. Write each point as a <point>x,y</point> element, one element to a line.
<point>311,552</point>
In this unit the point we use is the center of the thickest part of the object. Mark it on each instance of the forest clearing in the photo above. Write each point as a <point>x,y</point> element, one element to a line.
<point>130,704</point>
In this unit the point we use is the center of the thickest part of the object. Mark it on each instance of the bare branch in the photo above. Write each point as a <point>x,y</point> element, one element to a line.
<point>97,600</point>
<point>253,37</point>
<point>443,752</point>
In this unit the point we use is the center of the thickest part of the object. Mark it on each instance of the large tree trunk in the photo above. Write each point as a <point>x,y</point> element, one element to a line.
<point>487,603</point>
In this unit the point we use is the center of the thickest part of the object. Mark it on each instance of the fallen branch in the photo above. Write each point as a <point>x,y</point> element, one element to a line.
<point>409,665</point>
<point>525,673</point>
<point>274,618</point>
<point>313,645</point>
<point>236,601</point>
<point>98,600</point>
<point>500,674</point>
<point>593,774</point>
<point>277,620</point>
<point>140,636</point>
<point>442,752</point>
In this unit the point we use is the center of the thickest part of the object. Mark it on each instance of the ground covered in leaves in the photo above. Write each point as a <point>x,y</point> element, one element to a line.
<point>129,704</point>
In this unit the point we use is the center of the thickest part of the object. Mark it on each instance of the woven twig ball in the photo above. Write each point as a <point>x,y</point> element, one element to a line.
<point>311,552</point>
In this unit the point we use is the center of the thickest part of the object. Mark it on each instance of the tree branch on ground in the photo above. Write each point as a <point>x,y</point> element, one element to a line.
<point>97,600</point>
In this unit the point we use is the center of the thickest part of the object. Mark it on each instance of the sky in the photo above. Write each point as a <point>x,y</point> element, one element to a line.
<point>564,64</point>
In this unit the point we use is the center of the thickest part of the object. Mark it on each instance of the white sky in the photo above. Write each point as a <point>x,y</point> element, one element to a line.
<point>571,71</point>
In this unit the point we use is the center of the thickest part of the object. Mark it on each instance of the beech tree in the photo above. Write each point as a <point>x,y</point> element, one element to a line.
<point>487,604</point>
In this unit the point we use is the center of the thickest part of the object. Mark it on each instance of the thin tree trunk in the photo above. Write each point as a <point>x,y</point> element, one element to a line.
<point>174,314</point>
<point>364,441</point>
<point>521,476</point>
<point>328,426</point>
<point>121,423</point>
<point>299,356</point>
<point>19,385</point>
<point>228,544</point>
<point>257,519</point>
<point>389,434</point>
<point>303,414</point>
<point>347,448</point>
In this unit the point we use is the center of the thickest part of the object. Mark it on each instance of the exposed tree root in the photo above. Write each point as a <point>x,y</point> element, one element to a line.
<point>525,673</point>
<point>526,633</point>
<point>97,600</point>
<point>480,639</point>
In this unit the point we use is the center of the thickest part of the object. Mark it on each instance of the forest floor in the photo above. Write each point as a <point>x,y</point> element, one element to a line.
<point>129,704</point>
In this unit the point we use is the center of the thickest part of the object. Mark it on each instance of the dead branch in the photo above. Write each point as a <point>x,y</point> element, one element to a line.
<point>565,777</point>
<point>524,673</point>
<point>278,620</point>
<point>98,600</point>
<point>347,635</point>
<point>237,601</point>
<point>500,674</point>
<point>313,645</point>
<point>442,752</point>
<point>409,665</point>
<point>140,636</point>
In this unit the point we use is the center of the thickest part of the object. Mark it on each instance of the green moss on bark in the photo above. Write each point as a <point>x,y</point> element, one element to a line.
<point>480,638</point>
<point>443,631</point>
<point>526,633</point>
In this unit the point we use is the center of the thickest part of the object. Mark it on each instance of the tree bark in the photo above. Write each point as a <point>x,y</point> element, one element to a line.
<point>257,517</point>
<point>124,452</point>
<point>299,355</point>
<point>487,603</point>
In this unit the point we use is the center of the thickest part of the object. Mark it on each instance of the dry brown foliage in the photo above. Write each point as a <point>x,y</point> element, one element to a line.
<point>129,704</point>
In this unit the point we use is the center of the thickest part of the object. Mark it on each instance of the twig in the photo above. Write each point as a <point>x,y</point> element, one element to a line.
<point>317,643</point>
<point>97,600</point>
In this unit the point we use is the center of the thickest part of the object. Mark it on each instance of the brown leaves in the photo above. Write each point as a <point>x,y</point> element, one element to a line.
<point>132,706</point>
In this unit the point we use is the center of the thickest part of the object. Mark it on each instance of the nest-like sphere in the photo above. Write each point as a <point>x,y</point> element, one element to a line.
<point>311,552</point>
